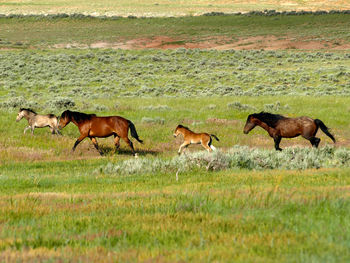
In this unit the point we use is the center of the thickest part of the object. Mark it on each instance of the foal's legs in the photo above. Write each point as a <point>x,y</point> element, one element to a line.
<point>184,145</point>
<point>94,141</point>
<point>277,140</point>
<point>126,139</point>
<point>207,146</point>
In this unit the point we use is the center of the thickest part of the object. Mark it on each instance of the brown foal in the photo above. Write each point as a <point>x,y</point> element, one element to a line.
<point>191,137</point>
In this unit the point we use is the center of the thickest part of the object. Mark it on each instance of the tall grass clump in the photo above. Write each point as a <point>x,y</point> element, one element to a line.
<point>241,157</point>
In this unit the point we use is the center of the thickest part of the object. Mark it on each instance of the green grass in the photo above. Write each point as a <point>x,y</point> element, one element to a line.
<point>59,206</point>
<point>226,123</point>
<point>91,78</point>
<point>42,32</point>
<point>64,211</point>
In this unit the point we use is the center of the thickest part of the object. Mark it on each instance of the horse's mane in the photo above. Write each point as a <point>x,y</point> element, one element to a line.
<point>269,118</point>
<point>30,110</point>
<point>181,126</point>
<point>78,116</point>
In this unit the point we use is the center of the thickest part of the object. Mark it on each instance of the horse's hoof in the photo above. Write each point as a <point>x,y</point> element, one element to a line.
<point>136,155</point>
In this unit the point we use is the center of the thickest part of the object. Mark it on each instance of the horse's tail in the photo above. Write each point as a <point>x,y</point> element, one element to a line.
<point>324,128</point>
<point>216,138</point>
<point>134,132</point>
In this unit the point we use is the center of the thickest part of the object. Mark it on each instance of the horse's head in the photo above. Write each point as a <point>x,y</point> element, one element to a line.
<point>177,130</point>
<point>250,124</point>
<point>64,119</point>
<point>180,130</point>
<point>20,115</point>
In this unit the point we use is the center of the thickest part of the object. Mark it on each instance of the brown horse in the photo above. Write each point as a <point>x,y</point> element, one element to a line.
<point>92,126</point>
<point>191,137</point>
<point>280,127</point>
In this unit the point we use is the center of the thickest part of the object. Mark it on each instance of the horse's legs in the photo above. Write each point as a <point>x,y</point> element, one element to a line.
<point>94,141</point>
<point>82,137</point>
<point>126,139</point>
<point>314,141</point>
<point>207,146</point>
<point>32,127</point>
<point>277,143</point>
<point>116,142</point>
<point>54,130</point>
<point>184,145</point>
<point>24,132</point>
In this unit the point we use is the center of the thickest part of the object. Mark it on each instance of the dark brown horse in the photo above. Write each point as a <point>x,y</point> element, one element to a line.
<point>280,127</point>
<point>92,126</point>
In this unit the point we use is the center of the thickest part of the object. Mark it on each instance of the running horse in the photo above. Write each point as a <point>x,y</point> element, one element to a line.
<point>37,120</point>
<point>91,126</point>
<point>191,137</point>
<point>280,127</point>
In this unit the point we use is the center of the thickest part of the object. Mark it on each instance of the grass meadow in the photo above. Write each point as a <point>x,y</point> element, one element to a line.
<point>245,203</point>
<point>81,31</point>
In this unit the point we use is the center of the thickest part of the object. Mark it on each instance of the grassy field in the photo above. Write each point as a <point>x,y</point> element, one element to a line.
<point>161,7</point>
<point>206,90</point>
<point>35,32</point>
<point>230,206</point>
<point>51,212</point>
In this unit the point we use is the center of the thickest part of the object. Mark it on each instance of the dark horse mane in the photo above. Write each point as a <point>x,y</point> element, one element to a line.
<point>77,116</point>
<point>269,118</point>
<point>30,110</point>
<point>181,126</point>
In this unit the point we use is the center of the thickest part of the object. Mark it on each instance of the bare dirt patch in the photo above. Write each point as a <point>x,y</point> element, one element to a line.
<point>269,42</point>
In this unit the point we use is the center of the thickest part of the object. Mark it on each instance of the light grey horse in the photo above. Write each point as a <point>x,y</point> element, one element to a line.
<point>38,121</point>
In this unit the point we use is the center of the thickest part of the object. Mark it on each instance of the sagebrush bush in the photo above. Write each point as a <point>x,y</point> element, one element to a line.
<point>61,103</point>
<point>157,108</point>
<point>91,74</point>
<point>156,120</point>
<point>241,107</point>
<point>241,157</point>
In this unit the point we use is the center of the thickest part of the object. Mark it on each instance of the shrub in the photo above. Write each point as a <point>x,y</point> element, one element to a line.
<point>62,103</point>
<point>241,107</point>
<point>156,120</point>
<point>157,108</point>
<point>241,157</point>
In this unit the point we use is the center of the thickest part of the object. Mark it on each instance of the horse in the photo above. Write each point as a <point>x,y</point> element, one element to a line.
<point>38,121</point>
<point>280,127</point>
<point>191,137</point>
<point>91,126</point>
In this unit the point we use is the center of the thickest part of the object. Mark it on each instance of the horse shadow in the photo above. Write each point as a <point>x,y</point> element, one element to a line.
<point>107,150</point>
